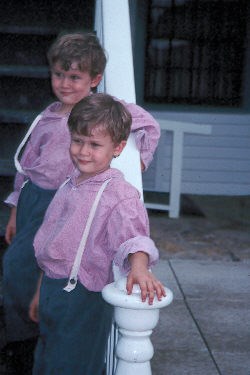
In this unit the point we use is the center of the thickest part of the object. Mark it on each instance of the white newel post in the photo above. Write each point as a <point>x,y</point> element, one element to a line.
<point>135,320</point>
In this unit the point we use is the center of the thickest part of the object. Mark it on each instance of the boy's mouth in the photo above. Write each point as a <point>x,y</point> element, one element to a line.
<point>83,162</point>
<point>64,93</point>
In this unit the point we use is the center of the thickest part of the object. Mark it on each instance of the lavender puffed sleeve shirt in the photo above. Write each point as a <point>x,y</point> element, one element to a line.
<point>120,227</point>
<point>45,160</point>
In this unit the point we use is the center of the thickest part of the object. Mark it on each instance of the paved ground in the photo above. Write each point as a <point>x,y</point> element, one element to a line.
<point>206,329</point>
<point>205,261</point>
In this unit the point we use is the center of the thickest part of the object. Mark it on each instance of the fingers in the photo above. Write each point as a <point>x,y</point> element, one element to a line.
<point>129,285</point>
<point>160,290</point>
<point>33,313</point>
<point>10,232</point>
<point>144,290</point>
<point>150,287</point>
<point>7,239</point>
<point>8,236</point>
<point>34,309</point>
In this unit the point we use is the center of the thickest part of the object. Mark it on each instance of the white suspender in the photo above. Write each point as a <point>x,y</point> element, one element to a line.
<point>72,281</point>
<point>16,161</point>
<point>64,183</point>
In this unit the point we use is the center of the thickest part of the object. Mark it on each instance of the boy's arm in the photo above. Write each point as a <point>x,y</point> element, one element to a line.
<point>140,274</point>
<point>147,132</point>
<point>11,226</point>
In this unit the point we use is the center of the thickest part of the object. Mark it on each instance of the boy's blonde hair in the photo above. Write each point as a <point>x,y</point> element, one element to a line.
<point>104,111</point>
<point>81,48</point>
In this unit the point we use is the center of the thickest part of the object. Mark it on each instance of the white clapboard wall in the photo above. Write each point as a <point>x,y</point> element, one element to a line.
<point>214,164</point>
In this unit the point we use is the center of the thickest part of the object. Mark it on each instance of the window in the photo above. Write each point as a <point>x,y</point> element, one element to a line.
<point>195,51</point>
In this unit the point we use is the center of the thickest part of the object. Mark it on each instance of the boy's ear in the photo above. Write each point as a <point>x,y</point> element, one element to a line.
<point>96,80</point>
<point>118,149</point>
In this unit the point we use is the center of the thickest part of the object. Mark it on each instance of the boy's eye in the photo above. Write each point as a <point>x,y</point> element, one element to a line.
<point>57,74</point>
<point>76,140</point>
<point>75,78</point>
<point>95,145</point>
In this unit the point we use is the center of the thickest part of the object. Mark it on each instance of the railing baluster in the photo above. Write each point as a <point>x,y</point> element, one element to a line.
<point>135,320</point>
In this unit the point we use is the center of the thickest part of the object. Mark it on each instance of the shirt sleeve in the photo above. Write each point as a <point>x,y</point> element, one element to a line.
<point>131,246</point>
<point>147,132</point>
<point>128,229</point>
<point>12,199</point>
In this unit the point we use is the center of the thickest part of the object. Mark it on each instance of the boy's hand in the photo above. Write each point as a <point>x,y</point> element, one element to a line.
<point>140,274</point>
<point>142,166</point>
<point>33,309</point>
<point>34,304</point>
<point>11,226</point>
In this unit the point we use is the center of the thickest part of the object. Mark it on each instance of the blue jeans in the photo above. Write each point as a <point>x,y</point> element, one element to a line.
<point>20,270</point>
<point>74,328</point>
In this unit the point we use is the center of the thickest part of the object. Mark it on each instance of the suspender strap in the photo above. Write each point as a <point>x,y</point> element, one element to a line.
<point>16,161</point>
<point>75,269</point>
<point>64,183</point>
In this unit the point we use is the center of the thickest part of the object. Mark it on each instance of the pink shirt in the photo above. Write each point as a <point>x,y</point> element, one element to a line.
<point>120,227</point>
<point>46,161</point>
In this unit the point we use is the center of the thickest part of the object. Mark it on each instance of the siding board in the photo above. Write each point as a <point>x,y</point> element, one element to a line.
<point>227,153</point>
<point>208,176</point>
<point>204,164</point>
<point>218,141</point>
<point>215,164</point>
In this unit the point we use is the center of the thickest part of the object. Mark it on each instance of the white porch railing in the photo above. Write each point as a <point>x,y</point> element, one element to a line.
<point>135,320</point>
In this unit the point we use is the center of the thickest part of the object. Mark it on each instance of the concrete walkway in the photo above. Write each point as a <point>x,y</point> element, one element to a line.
<point>205,261</point>
<point>206,329</point>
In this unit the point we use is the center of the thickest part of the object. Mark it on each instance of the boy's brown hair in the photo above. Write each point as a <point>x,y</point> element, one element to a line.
<point>104,111</point>
<point>81,48</point>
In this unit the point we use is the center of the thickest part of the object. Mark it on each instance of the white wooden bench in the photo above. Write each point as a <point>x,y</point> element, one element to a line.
<point>179,130</point>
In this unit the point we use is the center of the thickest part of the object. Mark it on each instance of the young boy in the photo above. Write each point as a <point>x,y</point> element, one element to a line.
<point>77,62</point>
<point>75,321</point>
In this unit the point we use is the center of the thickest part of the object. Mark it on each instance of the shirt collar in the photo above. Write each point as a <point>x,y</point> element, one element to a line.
<point>99,178</point>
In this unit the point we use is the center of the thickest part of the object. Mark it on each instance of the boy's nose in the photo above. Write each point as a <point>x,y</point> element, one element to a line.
<point>85,149</point>
<point>65,82</point>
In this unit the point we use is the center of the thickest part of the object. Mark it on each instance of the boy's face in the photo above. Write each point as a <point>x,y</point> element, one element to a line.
<point>72,85</point>
<point>93,154</point>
